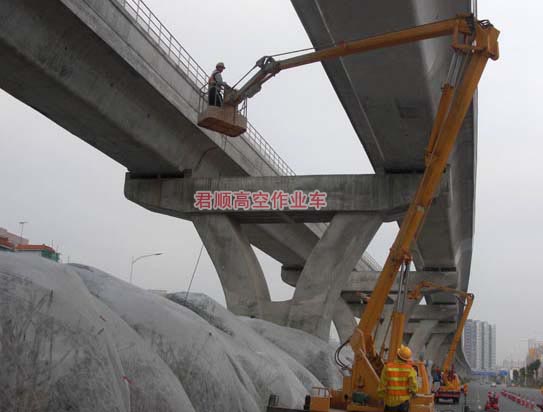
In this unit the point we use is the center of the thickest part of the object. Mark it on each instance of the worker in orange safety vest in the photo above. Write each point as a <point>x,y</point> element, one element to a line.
<point>398,382</point>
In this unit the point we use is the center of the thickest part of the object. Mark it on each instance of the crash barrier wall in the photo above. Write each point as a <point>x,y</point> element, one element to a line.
<point>522,401</point>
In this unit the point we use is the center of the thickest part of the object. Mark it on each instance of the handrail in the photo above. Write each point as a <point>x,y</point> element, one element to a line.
<point>371,262</point>
<point>181,58</point>
<point>194,73</point>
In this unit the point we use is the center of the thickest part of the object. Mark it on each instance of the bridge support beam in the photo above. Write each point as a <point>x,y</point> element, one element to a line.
<point>433,348</point>
<point>240,273</point>
<point>344,320</point>
<point>327,270</point>
<point>417,342</point>
<point>355,213</point>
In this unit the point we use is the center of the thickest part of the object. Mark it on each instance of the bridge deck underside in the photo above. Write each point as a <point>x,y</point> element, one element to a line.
<point>391,97</point>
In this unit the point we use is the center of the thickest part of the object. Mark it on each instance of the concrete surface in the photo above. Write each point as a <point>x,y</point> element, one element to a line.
<point>327,269</point>
<point>391,97</point>
<point>77,339</point>
<point>108,83</point>
<point>242,279</point>
<point>388,196</point>
<point>477,396</point>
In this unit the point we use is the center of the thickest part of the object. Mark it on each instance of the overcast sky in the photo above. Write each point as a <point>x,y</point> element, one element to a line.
<point>72,195</point>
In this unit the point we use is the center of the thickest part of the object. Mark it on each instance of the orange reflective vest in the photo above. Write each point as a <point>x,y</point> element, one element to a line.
<point>397,375</point>
<point>398,382</point>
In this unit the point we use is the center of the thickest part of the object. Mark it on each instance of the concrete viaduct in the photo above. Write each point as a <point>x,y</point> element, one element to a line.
<point>111,74</point>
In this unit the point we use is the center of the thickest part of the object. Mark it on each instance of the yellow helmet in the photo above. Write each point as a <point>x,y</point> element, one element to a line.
<point>404,353</point>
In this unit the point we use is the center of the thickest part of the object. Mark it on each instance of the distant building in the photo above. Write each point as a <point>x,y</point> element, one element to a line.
<point>479,343</point>
<point>6,245</point>
<point>486,346</point>
<point>535,352</point>
<point>470,344</point>
<point>493,361</point>
<point>41,250</point>
<point>12,237</point>
<point>10,242</point>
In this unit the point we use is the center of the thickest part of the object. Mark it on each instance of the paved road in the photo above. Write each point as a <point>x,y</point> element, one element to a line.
<point>478,394</point>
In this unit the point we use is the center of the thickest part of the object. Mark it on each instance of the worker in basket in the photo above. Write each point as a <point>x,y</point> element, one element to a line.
<point>215,85</point>
<point>398,382</point>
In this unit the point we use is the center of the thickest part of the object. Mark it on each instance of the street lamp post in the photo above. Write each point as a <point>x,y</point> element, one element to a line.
<point>22,223</point>
<point>134,260</point>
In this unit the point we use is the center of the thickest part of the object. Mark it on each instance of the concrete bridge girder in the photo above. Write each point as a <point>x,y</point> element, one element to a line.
<point>386,112</point>
<point>440,313</point>
<point>148,123</point>
<point>385,195</point>
<point>110,85</point>
<point>365,280</point>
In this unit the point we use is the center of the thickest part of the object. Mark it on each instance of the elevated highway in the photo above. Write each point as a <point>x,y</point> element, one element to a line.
<point>391,97</point>
<point>110,73</point>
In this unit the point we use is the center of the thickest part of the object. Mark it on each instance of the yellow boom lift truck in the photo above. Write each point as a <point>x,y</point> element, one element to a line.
<point>474,42</point>
<point>450,388</point>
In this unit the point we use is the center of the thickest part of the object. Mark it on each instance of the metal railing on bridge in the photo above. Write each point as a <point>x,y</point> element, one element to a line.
<point>179,56</point>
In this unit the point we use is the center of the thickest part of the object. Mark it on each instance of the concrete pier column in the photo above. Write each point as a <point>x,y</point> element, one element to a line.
<point>417,342</point>
<point>433,348</point>
<point>240,273</point>
<point>327,270</point>
<point>344,320</point>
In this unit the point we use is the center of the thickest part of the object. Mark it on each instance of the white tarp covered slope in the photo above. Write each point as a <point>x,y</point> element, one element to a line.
<point>75,338</point>
<point>152,384</point>
<point>78,355</point>
<point>317,356</point>
<point>272,367</point>
<point>53,351</point>
<point>220,368</point>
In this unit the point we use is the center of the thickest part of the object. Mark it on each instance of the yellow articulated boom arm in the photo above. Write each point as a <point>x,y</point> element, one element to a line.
<point>478,46</point>
<point>473,42</point>
<point>269,67</point>
<point>467,300</point>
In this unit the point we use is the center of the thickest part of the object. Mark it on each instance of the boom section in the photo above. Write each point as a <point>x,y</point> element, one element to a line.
<point>269,67</point>
<point>467,298</point>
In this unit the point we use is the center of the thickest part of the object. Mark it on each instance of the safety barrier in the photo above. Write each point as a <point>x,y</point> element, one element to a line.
<point>522,401</point>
